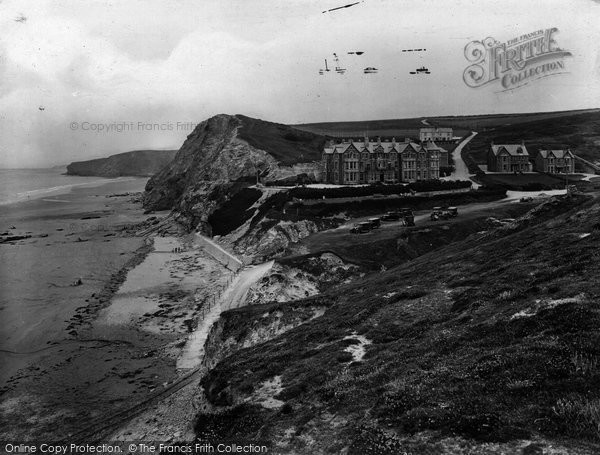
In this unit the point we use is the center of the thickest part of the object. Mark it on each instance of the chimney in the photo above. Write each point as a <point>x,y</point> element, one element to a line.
<point>523,142</point>
<point>366,140</point>
<point>394,141</point>
<point>379,140</point>
<point>407,140</point>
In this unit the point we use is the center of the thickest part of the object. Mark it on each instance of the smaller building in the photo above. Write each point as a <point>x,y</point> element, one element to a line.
<point>508,158</point>
<point>555,161</point>
<point>435,134</point>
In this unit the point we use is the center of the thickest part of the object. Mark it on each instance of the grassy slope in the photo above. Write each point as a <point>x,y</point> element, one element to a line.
<point>450,355</point>
<point>286,144</point>
<point>580,132</point>
<point>461,124</point>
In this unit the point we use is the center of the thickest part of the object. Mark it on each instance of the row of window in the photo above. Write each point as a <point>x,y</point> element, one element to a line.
<point>413,164</point>
<point>383,156</point>
<point>559,160</point>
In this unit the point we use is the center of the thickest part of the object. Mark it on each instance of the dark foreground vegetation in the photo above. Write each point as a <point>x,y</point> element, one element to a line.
<point>486,345</point>
<point>527,182</point>
<point>234,212</point>
<point>370,190</point>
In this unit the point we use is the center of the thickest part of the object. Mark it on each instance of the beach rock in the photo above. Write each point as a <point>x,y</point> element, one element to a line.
<point>12,238</point>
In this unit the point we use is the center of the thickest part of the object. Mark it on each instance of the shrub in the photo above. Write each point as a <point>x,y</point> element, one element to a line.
<point>235,212</point>
<point>362,191</point>
<point>579,416</point>
<point>584,363</point>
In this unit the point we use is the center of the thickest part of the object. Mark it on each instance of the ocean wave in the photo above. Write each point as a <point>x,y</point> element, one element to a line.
<point>59,189</point>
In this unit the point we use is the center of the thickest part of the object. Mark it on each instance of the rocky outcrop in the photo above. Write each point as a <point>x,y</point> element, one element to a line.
<point>268,242</point>
<point>220,154</point>
<point>245,328</point>
<point>143,163</point>
<point>296,279</point>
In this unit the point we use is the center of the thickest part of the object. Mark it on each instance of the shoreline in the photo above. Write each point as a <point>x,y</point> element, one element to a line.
<point>67,184</point>
<point>120,343</point>
<point>86,235</point>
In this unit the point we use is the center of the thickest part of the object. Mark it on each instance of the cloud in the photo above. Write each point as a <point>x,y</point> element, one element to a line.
<point>156,62</point>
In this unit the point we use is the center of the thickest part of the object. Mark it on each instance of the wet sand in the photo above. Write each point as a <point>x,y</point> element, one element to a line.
<point>37,273</point>
<point>73,354</point>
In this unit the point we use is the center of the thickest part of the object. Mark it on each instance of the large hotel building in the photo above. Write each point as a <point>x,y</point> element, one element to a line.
<point>353,162</point>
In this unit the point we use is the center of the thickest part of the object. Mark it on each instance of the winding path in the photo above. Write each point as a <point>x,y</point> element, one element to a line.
<point>233,297</point>
<point>461,172</point>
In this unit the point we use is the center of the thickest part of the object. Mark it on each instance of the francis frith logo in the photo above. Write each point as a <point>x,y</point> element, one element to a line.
<point>515,63</point>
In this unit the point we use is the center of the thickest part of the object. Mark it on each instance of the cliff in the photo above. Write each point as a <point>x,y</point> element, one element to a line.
<point>223,155</point>
<point>142,163</point>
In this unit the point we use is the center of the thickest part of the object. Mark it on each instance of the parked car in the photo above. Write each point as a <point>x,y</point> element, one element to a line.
<point>439,214</point>
<point>407,216</point>
<point>375,222</point>
<point>526,199</point>
<point>453,211</point>
<point>391,216</point>
<point>361,228</point>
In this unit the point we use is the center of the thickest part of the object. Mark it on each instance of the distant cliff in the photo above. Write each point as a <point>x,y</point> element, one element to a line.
<point>137,163</point>
<point>222,153</point>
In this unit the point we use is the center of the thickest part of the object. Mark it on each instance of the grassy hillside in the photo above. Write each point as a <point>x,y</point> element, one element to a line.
<point>408,127</point>
<point>286,144</point>
<point>484,346</point>
<point>580,132</point>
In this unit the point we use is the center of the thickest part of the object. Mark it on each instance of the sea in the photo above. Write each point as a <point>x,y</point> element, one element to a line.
<point>17,185</point>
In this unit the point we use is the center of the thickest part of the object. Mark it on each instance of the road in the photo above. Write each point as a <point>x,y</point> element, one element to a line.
<point>461,172</point>
<point>235,294</point>
<point>341,236</point>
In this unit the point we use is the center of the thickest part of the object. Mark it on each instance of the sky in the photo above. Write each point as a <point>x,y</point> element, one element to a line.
<point>86,79</point>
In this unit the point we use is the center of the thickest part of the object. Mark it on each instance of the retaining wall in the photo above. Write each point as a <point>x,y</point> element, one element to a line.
<point>217,252</point>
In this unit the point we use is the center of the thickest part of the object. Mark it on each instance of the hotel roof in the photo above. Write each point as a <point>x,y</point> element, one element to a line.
<point>372,146</point>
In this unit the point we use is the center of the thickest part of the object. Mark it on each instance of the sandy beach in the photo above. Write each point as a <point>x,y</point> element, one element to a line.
<point>71,352</point>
